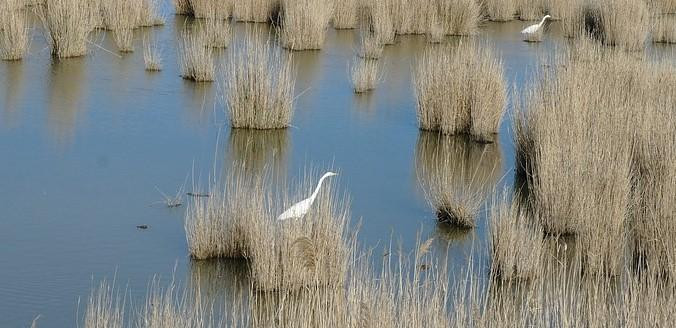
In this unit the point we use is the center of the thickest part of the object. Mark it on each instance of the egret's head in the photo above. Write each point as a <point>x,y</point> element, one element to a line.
<point>330,174</point>
<point>547,16</point>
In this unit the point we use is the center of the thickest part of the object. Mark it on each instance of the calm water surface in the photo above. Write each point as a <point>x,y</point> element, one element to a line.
<point>86,143</point>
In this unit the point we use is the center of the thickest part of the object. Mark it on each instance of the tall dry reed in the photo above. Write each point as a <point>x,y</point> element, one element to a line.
<point>152,56</point>
<point>260,11</point>
<point>460,91</point>
<point>14,31</point>
<point>345,14</point>
<point>458,17</point>
<point>105,308</point>
<point>66,25</point>
<point>500,10</point>
<point>195,56</point>
<point>378,20</point>
<point>365,74</point>
<point>305,23</point>
<point>258,86</point>
<point>150,14</point>
<point>122,17</point>
<point>664,29</point>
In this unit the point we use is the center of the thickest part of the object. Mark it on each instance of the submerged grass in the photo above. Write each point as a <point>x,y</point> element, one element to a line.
<point>460,90</point>
<point>259,86</point>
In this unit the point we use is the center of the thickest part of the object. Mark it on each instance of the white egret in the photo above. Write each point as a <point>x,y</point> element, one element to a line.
<point>535,27</point>
<point>301,208</point>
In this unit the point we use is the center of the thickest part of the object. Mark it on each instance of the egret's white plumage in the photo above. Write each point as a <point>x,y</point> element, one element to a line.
<point>535,27</point>
<point>301,208</point>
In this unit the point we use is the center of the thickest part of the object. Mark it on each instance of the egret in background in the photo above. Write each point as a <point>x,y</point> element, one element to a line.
<point>301,208</point>
<point>535,27</point>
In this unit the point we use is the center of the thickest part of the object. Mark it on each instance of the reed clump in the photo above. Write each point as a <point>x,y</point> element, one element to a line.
<point>195,56</point>
<point>378,21</point>
<point>149,14</point>
<point>258,87</point>
<point>345,14</point>
<point>516,241</point>
<point>152,56</point>
<point>460,91</point>
<point>662,6</point>
<point>458,17</point>
<point>122,17</point>
<point>365,74</point>
<point>530,9</point>
<point>370,45</point>
<point>221,9</point>
<point>664,29</point>
<point>456,175</point>
<point>223,224</point>
<point>218,32</point>
<point>65,23</point>
<point>500,10</point>
<point>105,307</point>
<point>14,31</point>
<point>260,11</point>
<point>305,23</point>
<point>314,250</point>
<point>625,23</point>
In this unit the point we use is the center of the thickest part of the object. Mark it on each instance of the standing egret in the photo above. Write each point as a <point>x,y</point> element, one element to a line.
<point>301,208</point>
<point>535,27</point>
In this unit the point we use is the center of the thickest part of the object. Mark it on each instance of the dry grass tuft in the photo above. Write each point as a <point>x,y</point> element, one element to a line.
<point>14,31</point>
<point>260,11</point>
<point>66,25</point>
<point>219,9</point>
<point>182,7</point>
<point>305,23</point>
<point>218,32</point>
<point>624,23</point>
<point>105,308</point>
<point>500,10</point>
<point>310,251</point>
<point>345,14</point>
<point>223,224</point>
<point>195,56</point>
<point>370,45</point>
<point>664,29</point>
<point>258,87</point>
<point>460,91</point>
<point>459,17</point>
<point>122,17</point>
<point>516,242</point>
<point>150,14</point>
<point>456,175</point>
<point>365,74</point>
<point>152,56</point>
<point>378,20</point>
<point>530,10</point>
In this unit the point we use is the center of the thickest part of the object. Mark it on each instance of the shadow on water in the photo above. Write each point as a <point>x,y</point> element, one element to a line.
<point>66,87</point>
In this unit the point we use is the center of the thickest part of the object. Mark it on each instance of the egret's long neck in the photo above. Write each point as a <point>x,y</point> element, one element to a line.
<point>542,22</point>
<point>319,186</point>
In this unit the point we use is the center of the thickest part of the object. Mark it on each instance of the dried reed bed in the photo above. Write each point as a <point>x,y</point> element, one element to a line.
<point>500,10</point>
<point>305,23</point>
<point>218,32</point>
<point>222,225</point>
<point>572,16</point>
<point>378,20</point>
<point>456,175</point>
<point>14,31</point>
<point>365,74</point>
<point>411,16</point>
<point>458,17</point>
<point>122,17</point>
<point>219,9</point>
<point>260,11</point>
<point>311,251</point>
<point>625,23</point>
<point>182,7</point>
<point>195,56</point>
<point>65,23</point>
<point>152,56</point>
<point>460,90</point>
<point>150,14</point>
<point>345,14</point>
<point>105,307</point>
<point>516,243</point>
<point>258,87</point>
<point>664,29</point>
<point>530,9</point>
<point>663,6</point>
<point>370,45</point>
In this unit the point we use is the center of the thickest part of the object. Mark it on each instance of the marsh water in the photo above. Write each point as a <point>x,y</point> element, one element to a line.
<point>88,146</point>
